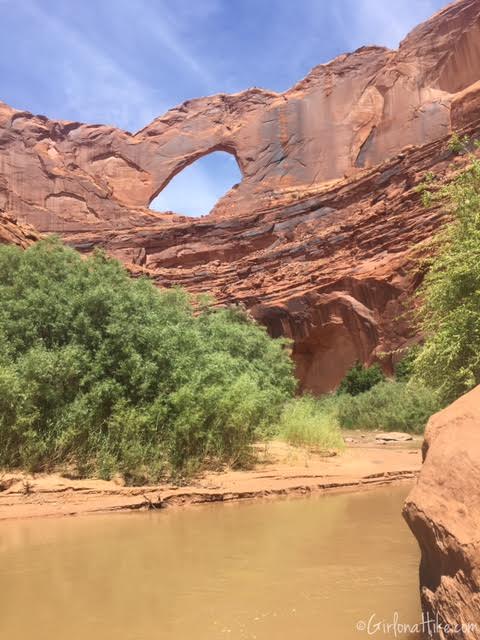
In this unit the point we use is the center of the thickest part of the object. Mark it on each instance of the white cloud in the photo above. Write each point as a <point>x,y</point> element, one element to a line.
<point>98,88</point>
<point>163,27</point>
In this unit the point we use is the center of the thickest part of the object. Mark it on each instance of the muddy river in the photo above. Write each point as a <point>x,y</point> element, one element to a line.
<point>295,569</point>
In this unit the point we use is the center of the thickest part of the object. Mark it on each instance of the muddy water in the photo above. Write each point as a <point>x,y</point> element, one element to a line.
<point>299,569</point>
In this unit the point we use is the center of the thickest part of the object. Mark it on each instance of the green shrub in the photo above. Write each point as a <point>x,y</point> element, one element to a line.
<point>360,379</point>
<point>388,406</point>
<point>404,369</point>
<point>107,374</point>
<point>311,422</point>
<point>458,144</point>
<point>450,296</point>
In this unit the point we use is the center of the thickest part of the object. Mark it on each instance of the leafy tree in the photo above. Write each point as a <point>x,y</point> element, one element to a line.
<point>450,311</point>
<point>404,369</point>
<point>360,379</point>
<point>107,374</point>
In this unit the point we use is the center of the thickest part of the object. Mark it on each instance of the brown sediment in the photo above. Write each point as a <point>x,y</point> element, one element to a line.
<point>282,470</point>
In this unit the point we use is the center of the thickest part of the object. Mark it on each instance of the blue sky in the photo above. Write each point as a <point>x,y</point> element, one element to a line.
<point>123,62</point>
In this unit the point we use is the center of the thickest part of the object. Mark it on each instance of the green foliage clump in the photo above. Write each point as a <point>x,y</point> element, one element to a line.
<point>360,379</point>
<point>404,369</point>
<point>424,188</point>
<point>458,144</point>
<point>311,422</point>
<point>450,311</point>
<point>106,374</point>
<point>428,179</point>
<point>389,406</point>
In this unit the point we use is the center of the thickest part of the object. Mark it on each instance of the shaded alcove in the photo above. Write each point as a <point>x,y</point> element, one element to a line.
<point>197,188</point>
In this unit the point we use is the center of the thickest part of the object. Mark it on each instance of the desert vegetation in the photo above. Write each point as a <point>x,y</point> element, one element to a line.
<point>312,423</point>
<point>105,374</point>
<point>449,311</point>
<point>365,400</point>
<point>389,406</point>
<point>447,363</point>
<point>102,374</point>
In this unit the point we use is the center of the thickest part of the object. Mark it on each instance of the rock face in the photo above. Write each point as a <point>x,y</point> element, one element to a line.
<point>318,238</point>
<point>443,512</point>
<point>13,233</point>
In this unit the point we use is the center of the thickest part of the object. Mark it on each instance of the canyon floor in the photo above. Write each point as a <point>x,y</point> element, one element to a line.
<point>280,470</point>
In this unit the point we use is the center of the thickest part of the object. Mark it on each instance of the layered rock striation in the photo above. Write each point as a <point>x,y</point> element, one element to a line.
<point>11,232</point>
<point>319,239</point>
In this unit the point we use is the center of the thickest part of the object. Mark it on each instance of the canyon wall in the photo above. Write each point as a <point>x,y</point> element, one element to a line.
<point>443,512</point>
<point>320,238</point>
<point>11,232</point>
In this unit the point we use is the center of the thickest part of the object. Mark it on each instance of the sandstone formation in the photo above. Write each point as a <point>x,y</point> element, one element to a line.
<point>443,512</point>
<point>13,233</point>
<point>319,238</point>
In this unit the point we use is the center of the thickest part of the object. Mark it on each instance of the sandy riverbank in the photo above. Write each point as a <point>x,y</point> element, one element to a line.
<point>281,470</point>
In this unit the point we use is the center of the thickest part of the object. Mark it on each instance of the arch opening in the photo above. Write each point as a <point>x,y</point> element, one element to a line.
<point>196,189</point>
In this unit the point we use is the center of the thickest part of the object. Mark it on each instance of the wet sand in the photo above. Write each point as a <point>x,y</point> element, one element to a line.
<point>281,470</point>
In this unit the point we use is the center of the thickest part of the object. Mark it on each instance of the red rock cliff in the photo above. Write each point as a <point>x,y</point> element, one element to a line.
<point>318,238</point>
<point>13,233</point>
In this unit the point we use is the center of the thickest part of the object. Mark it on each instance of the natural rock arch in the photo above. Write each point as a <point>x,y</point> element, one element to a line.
<point>328,198</point>
<point>221,172</point>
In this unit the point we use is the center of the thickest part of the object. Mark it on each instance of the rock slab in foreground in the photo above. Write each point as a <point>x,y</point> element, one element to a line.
<point>443,512</point>
<point>393,436</point>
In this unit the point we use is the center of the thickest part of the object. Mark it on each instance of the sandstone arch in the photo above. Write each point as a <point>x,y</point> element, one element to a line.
<point>327,199</point>
<point>203,182</point>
